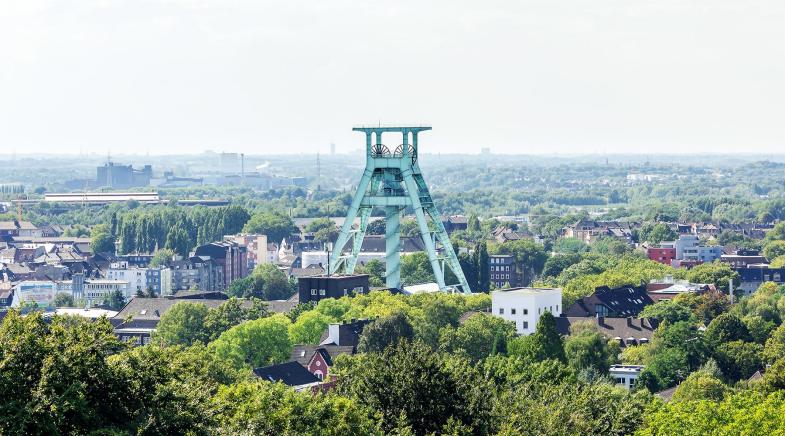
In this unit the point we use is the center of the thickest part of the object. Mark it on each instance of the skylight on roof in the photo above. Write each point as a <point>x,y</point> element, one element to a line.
<point>143,312</point>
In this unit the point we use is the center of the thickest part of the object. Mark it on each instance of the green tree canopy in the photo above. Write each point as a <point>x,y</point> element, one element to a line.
<point>586,348</point>
<point>259,342</point>
<point>63,299</point>
<point>101,239</point>
<point>480,336</point>
<point>544,343</point>
<point>183,324</point>
<point>385,332</point>
<point>275,225</point>
<point>309,327</point>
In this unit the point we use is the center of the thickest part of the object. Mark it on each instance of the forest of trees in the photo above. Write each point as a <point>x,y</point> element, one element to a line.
<point>419,371</point>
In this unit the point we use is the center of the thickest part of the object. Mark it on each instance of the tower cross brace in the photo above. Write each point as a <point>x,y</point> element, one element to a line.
<point>392,180</point>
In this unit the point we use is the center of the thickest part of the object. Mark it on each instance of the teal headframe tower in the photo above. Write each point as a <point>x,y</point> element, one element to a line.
<point>392,181</point>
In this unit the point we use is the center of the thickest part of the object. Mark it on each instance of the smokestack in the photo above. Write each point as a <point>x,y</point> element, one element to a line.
<point>242,168</point>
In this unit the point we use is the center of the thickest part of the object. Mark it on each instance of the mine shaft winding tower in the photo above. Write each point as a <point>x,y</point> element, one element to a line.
<point>392,181</point>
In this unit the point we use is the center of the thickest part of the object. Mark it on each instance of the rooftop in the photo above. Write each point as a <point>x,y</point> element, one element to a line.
<point>627,368</point>
<point>528,291</point>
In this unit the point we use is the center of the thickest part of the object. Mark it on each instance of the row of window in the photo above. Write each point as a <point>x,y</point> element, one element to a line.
<point>136,339</point>
<point>500,276</point>
<point>500,268</point>
<point>500,260</point>
<point>514,311</point>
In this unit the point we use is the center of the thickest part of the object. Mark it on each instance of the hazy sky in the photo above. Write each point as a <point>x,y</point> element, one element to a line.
<point>518,76</point>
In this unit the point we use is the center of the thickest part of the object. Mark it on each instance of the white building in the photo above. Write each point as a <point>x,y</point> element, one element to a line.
<point>525,306</point>
<point>96,290</point>
<point>626,375</point>
<point>157,280</point>
<point>688,248</point>
<point>38,291</point>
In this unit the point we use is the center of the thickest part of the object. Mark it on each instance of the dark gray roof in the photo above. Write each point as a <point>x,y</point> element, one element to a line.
<point>376,244</point>
<point>200,295</point>
<point>611,328</point>
<point>140,308</point>
<point>302,354</point>
<point>306,272</point>
<point>623,301</point>
<point>667,394</point>
<point>289,373</point>
<point>348,333</point>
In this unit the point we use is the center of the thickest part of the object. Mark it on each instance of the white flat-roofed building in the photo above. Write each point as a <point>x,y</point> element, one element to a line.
<point>625,375</point>
<point>102,197</point>
<point>525,306</point>
<point>95,290</point>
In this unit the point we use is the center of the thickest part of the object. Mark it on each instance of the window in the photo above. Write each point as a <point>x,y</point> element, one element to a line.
<point>501,311</point>
<point>525,311</point>
<point>539,311</point>
<point>322,292</point>
<point>512,311</point>
<point>313,291</point>
<point>526,324</point>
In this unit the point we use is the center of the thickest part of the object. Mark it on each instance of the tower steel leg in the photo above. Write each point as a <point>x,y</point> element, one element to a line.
<point>343,237</point>
<point>414,195</point>
<point>441,235</point>
<point>392,240</point>
<point>359,234</point>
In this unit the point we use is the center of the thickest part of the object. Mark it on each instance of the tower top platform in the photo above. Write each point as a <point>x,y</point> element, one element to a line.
<point>368,128</point>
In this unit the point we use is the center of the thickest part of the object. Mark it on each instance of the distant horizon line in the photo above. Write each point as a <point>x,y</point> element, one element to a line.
<point>358,151</point>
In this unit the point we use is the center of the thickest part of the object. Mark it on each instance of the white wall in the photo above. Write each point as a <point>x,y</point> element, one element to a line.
<point>525,307</point>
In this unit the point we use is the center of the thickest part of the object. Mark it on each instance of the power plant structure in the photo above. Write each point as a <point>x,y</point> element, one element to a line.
<point>392,180</point>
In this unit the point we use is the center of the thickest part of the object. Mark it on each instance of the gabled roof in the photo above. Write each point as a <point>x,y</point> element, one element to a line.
<point>376,244</point>
<point>348,334</point>
<point>622,329</point>
<point>623,301</point>
<point>303,354</point>
<point>289,373</point>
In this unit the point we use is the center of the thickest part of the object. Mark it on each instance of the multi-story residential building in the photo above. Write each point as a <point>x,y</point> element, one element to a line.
<point>155,280</point>
<point>505,272</point>
<point>525,306</point>
<point>197,272</point>
<point>96,290</point>
<point>755,275</point>
<point>688,248</point>
<point>662,255</point>
<point>230,255</point>
<point>258,249</point>
<point>684,251</point>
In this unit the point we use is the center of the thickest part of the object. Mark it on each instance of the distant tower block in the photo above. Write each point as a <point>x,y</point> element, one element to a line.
<point>392,180</point>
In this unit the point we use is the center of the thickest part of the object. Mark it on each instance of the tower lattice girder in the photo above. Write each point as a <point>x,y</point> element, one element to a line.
<point>392,180</point>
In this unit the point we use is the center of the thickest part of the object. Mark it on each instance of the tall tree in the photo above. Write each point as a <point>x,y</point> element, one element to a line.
<point>385,332</point>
